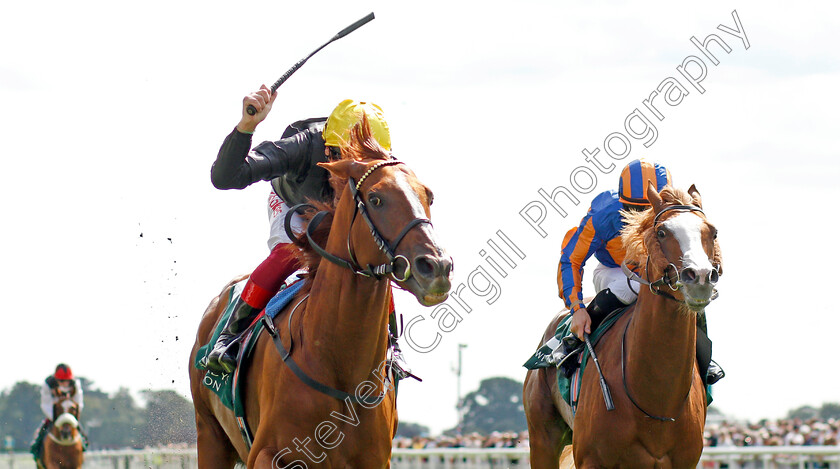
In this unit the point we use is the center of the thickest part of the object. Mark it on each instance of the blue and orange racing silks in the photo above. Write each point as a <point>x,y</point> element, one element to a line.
<point>599,233</point>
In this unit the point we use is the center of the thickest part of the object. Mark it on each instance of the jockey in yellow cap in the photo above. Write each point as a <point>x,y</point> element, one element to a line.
<point>291,165</point>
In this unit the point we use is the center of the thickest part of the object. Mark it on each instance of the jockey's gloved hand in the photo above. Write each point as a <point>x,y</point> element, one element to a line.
<point>52,382</point>
<point>581,322</point>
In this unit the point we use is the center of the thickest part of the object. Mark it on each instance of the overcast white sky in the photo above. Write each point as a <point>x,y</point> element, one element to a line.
<point>114,240</point>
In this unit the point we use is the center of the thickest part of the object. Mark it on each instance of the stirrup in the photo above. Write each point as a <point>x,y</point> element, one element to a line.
<point>715,373</point>
<point>569,347</point>
<point>214,358</point>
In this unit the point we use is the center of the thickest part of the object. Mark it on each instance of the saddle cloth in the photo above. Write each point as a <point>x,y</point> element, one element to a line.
<point>570,387</point>
<point>543,357</point>
<point>227,385</point>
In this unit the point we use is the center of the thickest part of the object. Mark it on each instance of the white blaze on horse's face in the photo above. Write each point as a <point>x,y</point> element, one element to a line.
<point>67,404</point>
<point>430,266</point>
<point>697,274</point>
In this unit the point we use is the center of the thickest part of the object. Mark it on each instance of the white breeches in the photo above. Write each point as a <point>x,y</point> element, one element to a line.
<point>613,278</point>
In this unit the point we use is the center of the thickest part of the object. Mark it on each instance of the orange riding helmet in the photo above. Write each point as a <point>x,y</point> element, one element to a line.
<point>632,186</point>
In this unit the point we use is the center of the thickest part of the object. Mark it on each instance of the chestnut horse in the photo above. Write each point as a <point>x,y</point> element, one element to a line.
<point>648,357</point>
<point>338,324</point>
<point>63,446</point>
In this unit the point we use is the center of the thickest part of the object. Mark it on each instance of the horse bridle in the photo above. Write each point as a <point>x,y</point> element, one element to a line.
<point>666,279</point>
<point>370,271</point>
<point>654,286</point>
<point>389,249</point>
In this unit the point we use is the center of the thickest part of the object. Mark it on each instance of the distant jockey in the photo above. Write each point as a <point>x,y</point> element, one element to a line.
<point>59,387</point>
<point>291,165</point>
<point>599,234</point>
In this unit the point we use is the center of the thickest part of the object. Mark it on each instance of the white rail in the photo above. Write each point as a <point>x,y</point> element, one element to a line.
<point>766,457</point>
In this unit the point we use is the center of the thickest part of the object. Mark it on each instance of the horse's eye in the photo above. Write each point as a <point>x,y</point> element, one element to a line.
<point>374,200</point>
<point>714,234</point>
<point>660,234</point>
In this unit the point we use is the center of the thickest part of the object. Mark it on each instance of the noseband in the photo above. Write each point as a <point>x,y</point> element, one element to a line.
<point>361,208</point>
<point>666,279</point>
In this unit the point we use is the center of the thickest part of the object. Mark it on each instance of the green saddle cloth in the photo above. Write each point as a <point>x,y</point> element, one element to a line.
<point>570,387</point>
<point>223,383</point>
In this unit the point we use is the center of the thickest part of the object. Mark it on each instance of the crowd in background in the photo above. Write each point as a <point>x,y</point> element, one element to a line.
<point>471,440</point>
<point>786,432</point>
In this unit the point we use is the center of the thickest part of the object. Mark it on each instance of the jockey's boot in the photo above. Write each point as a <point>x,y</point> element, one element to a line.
<point>604,303</point>
<point>222,359</point>
<point>264,283</point>
<point>715,373</point>
<point>709,369</point>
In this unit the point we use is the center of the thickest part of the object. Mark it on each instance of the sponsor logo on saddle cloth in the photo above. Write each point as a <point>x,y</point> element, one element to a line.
<point>226,385</point>
<point>546,357</point>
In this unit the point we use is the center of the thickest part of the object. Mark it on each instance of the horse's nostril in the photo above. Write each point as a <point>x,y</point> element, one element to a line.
<point>713,276</point>
<point>431,266</point>
<point>688,275</point>
<point>424,266</point>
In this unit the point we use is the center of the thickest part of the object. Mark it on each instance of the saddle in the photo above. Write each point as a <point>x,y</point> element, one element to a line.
<point>226,385</point>
<point>547,355</point>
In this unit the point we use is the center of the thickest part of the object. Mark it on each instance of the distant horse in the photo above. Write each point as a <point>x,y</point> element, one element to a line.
<point>338,324</point>
<point>63,446</point>
<point>648,357</point>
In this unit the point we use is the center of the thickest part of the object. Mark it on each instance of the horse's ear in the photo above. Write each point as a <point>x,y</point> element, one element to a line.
<point>653,197</point>
<point>695,196</point>
<point>340,168</point>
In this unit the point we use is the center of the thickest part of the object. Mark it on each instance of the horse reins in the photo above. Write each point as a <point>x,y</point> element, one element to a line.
<point>361,208</point>
<point>627,389</point>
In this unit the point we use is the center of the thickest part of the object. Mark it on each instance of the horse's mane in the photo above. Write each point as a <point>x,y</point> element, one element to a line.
<point>362,146</point>
<point>638,232</point>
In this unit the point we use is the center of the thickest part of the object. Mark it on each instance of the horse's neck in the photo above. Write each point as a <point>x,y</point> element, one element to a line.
<point>660,354</point>
<point>346,319</point>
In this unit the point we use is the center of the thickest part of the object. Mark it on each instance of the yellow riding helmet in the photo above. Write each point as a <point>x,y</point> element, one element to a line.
<point>349,113</point>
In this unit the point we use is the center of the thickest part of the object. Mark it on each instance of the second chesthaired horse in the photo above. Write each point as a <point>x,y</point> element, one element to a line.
<point>63,447</point>
<point>648,357</point>
<point>339,328</point>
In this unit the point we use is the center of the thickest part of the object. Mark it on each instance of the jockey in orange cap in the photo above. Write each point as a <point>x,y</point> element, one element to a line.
<point>599,234</point>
